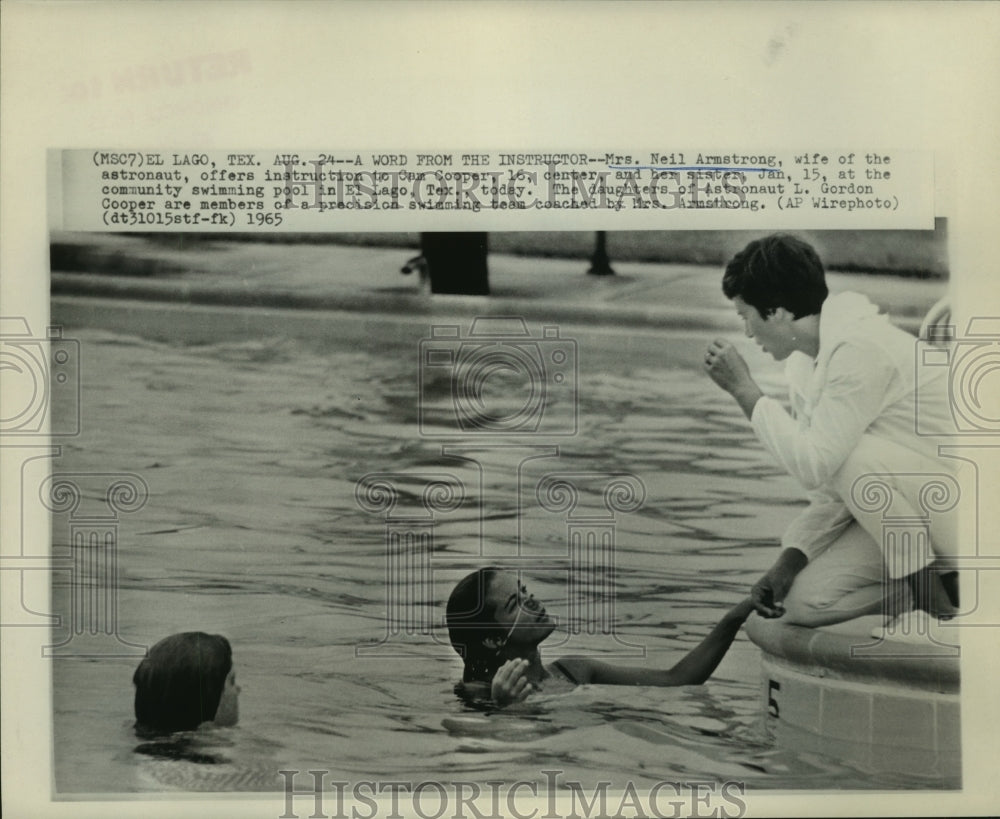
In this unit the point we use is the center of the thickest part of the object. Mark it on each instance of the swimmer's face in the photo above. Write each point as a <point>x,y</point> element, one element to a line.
<point>513,608</point>
<point>774,334</point>
<point>228,712</point>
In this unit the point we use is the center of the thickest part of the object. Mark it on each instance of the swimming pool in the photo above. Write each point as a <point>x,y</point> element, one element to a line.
<point>252,428</point>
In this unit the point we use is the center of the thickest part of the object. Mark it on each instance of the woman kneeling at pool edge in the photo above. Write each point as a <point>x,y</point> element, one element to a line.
<point>852,415</point>
<point>496,626</point>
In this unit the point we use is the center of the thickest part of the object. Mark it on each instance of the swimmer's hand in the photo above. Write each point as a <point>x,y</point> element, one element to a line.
<point>764,599</point>
<point>510,683</point>
<point>768,593</point>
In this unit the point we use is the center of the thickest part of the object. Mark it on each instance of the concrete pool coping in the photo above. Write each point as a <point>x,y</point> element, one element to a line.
<point>853,656</point>
<point>896,709</point>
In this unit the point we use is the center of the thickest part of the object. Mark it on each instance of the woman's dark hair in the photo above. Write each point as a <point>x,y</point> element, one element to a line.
<point>777,271</point>
<point>179,683</point>
<point>469,623</point>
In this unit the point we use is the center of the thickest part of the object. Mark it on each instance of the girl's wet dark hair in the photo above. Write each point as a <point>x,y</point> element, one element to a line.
<point>180,682</point>
<point>470,623</point>
<point>777,271</point>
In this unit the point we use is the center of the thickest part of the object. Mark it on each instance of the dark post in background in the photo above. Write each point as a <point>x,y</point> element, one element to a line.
<point>456,262</point>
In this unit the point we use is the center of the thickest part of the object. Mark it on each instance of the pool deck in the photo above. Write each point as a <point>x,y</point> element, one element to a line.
<point>367,279</point>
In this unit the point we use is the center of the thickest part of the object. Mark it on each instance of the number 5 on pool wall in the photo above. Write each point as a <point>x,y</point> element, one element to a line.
<point>772,703</point>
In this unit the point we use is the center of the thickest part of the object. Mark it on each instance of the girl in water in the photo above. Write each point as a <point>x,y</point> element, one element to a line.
<point>184,681</point>
<point>496,626</point>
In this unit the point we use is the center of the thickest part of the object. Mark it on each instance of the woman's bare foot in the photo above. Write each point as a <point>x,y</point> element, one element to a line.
<point>935,592</point>
<point>950,582</point>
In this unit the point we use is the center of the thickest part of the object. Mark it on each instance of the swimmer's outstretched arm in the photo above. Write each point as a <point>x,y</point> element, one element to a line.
<point>696,667</point>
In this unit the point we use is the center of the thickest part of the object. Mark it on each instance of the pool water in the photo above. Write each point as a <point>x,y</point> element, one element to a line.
<point>252,448</point>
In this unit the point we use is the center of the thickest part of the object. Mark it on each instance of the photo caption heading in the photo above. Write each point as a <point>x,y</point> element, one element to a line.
<point>332,191</point>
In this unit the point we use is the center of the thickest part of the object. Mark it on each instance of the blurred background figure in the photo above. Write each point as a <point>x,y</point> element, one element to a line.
<point>452,263</point>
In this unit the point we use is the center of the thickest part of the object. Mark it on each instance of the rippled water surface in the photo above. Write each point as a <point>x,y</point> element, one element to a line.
<point>252,450</point>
